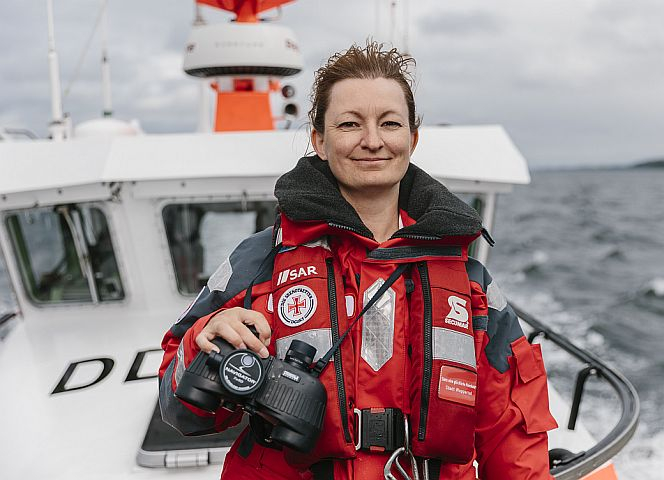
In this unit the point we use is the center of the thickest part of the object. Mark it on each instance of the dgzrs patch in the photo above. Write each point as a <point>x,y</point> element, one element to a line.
<point>297,305</point>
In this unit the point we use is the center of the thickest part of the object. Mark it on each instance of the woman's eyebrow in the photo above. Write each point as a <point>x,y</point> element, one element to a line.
<point>350,112</point>
<point>358,114</point>
<point>390,112</point>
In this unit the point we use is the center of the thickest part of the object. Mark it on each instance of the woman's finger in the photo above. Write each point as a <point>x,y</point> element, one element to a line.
<point>251,317</point>
<point>204,343</point>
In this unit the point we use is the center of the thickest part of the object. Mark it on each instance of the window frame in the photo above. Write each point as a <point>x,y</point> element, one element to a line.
<point>13,256</point>
<point>161,206</point>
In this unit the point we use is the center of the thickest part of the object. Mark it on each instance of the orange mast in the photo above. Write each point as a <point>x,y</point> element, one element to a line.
<point>243,99</point>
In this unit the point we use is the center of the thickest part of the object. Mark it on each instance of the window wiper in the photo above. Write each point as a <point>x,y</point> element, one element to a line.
<point>76,230</point>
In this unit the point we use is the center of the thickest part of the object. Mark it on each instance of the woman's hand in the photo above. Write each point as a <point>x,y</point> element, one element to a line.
<point>231,325</point>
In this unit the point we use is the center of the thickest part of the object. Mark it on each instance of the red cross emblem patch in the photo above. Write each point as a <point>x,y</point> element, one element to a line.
<point>297,305</point>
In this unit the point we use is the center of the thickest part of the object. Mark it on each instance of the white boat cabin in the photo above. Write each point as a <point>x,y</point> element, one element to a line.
<point>106,241</point>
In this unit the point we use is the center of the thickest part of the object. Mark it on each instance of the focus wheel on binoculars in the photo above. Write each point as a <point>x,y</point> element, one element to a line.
<point>241,372</point>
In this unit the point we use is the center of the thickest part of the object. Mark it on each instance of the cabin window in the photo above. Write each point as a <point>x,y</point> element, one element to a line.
<point>201,235</point>
<point>65,254</point>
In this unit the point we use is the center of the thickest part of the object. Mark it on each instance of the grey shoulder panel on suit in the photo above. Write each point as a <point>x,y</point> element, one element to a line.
<point>503,325</point>
<point>232,277</point>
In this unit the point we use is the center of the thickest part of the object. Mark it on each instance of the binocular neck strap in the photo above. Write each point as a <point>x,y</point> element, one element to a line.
<point>325,359</point>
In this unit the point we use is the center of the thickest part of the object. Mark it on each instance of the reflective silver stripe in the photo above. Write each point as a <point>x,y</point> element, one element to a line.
<point>495,297</point>
<point>220,278</point>
<point>378,327</point>
<point>319,338</point>
<point>454,346</point>
<point>180,368</point>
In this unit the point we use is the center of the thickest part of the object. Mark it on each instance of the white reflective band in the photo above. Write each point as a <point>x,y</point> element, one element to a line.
<point>495,297</point>
<point>350,305</point>
<point>454,346</point>
<point>270,303</point>
<point>180,368</point>
<point>220,278</point>
<point>319,338</point>
<point>378,327</point>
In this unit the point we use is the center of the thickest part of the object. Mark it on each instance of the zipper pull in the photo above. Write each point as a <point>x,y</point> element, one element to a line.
<point>487,237</point>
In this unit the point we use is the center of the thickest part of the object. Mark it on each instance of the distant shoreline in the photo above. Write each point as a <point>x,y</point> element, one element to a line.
<point>648,164</point>
<point>658,163</point>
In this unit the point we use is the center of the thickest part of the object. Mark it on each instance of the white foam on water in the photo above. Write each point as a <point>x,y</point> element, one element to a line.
<point>642,458</point>
<point>656,286</point>
<point>540,257</point>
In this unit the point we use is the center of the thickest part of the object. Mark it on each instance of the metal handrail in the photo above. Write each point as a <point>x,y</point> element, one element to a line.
<point>585,462</point>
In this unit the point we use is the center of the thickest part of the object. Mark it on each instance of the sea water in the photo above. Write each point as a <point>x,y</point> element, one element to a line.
<point>583,251</point>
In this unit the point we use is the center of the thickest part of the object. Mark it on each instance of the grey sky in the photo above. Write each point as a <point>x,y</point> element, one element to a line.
<point>573,81</point>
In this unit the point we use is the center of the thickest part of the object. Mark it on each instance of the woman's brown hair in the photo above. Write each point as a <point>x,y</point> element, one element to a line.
<point>369,62</point>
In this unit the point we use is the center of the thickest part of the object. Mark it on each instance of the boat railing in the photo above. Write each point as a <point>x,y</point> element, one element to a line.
<point>572,465</point>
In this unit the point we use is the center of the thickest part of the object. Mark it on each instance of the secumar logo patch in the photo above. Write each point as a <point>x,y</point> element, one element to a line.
<point>458,315</point>
<point>297,305</point>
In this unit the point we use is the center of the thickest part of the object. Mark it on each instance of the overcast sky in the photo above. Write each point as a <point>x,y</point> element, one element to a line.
<point>574,82</point>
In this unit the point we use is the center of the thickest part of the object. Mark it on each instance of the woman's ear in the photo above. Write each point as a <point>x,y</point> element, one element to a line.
<point>414,138</point>
<point>318,142</point>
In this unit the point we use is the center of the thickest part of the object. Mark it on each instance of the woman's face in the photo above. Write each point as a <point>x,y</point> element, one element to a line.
<point>367,139</point>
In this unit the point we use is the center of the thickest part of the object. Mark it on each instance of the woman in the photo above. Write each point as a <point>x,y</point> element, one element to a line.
<point>440,349</point>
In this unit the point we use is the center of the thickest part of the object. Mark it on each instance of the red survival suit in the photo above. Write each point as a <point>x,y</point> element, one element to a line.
<point>441,346</point>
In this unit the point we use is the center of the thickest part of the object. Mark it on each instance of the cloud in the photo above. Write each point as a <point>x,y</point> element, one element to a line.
<point>572,80</point>
<point>460,23</point>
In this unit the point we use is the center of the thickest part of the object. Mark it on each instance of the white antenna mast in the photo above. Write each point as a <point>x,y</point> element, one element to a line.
<point>377,28</point>
<point>204,124</point>
<point>406,20</point>
<point>57,127</point>
<point>105,65</point>
<point>393,22</point>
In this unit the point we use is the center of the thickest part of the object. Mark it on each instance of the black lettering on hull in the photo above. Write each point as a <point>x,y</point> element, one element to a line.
<point>62,384</point>
<point>136,366</point>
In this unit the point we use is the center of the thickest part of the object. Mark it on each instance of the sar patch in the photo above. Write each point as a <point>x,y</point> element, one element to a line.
<point>297,305</point>
<point>291,274</point>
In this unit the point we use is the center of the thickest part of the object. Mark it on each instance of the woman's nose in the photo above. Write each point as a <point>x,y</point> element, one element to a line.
<point>371,138</point>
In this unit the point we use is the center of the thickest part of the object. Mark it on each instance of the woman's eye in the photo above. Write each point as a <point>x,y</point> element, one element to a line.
<point>348,125</point>
<point>391,124</point>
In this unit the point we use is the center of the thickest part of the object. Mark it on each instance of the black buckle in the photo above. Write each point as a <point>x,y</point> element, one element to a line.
<point>380,429</point>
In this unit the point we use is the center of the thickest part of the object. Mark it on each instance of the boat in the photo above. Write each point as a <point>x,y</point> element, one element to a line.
<point>109,234</point>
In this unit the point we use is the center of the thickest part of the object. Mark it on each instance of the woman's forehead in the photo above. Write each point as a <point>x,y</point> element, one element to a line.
<point>360,95</point>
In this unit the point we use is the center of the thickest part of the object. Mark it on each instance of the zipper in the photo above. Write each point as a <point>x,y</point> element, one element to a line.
<point>338,368</point>
<point>416,237</point>
<point>346,227</point>
<point>428,354</point>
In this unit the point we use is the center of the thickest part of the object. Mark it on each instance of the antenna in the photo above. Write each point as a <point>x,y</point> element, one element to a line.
<point>406,21</point>
<point>393,22</point>
<point>204,124</point>
<point>105,65</point>
<point>58,126</point>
